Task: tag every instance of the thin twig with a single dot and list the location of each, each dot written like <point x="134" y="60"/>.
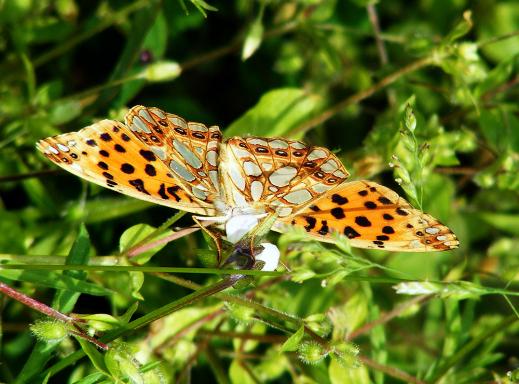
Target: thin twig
<point x="189" y="328"/>
<point x="191" y="361"/>
<point x="381" y="48"/>
<point x="274" y="339"/>
<point x="373" y="19"/>
<point x="174" y="236"/>
<point x="28" y="175"/>
<point x="359" y="96"/>
<point x="232" y="47"/>
<point x="501" y="89"/>
<point x="456" y="170"/>
<point x="497" y="39"/>
<point x="386" y="317"/>
<point x="34" y="304"/>
<point x="391" y="371"/>
<point x="99" y="27"/>
<point x="90" y="339"/>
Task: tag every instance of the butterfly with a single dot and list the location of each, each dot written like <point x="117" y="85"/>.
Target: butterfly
<point x="162" y="158"/>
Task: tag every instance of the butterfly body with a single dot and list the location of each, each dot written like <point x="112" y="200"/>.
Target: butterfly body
<point x="160" y="157"/>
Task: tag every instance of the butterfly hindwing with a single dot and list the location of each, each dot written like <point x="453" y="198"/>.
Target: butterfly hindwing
<point x="372" y="216"/>
<point x="108" y="154"/>
<point x="284" y="175"/>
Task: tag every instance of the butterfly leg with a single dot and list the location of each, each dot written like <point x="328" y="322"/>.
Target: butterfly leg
<point x="215" y="236"/>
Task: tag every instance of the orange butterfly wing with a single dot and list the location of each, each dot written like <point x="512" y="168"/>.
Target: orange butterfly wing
<point x="372" y="216"/>
<point x="109" y="154"/>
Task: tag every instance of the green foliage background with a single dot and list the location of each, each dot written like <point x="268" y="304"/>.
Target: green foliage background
<point x="422" y="92"/>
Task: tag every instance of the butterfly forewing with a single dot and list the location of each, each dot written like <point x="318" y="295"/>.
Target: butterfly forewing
<point x="372" y="216"/>
<point x="189" y="149"/>
<point x="282" y="175"/>
<point x="108" y="154"/>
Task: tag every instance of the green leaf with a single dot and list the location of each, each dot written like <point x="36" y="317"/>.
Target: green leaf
<point x="134" y="236"/>
<point x="277" y="113"/>
<point x="252" y="39"/>
<point x="294" y="341"/>
<point x="101" y="322"/>
<point x="122" y="364"/>
<point x="94" y="378"/>
<point x="239" y="375"/>
<point x="461" y="29"/>
<point x="506" y="222"/>
<point x="65" y="300"/>
<point x="202" y="6"/>
<point x="97" y="212"/>
<point x="342" y="374"/>
<point x="64" y="111"/>
<point x="94" y="355"/>
<point x="126" y="317"/>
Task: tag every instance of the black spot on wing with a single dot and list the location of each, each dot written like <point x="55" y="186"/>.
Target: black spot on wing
<point x="173" y="192"/>
<point x="127" y="168"/>
<point x="350" y="232"/>
<point x="311" y="223"/>
<point x="119" y="148"/>
<point x="150" y="170"/>
<point x="384" y="200"/>
<point x="139" y="185"/>
<point x="324" y="228"/>
<point x="401" y="212"/>
<point x="338" y="199"/>
<point x="338" y="213"/>
<point x="162" y="192"/>
<point x="148" y="155"/>
<point x="363" y="221"/>
<point x="370" y="205"/>
<point x="388" y="230"/>
<point x="102" y="165"/>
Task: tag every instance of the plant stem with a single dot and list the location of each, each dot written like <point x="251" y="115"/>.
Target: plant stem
<point x="386" y="317"/>
<point x="99" y="27"/>
<point x="134" y="268"/>
<point x="391" y="371"/>
<point x="34" y="304"/>
<point x="359" y="96"/>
